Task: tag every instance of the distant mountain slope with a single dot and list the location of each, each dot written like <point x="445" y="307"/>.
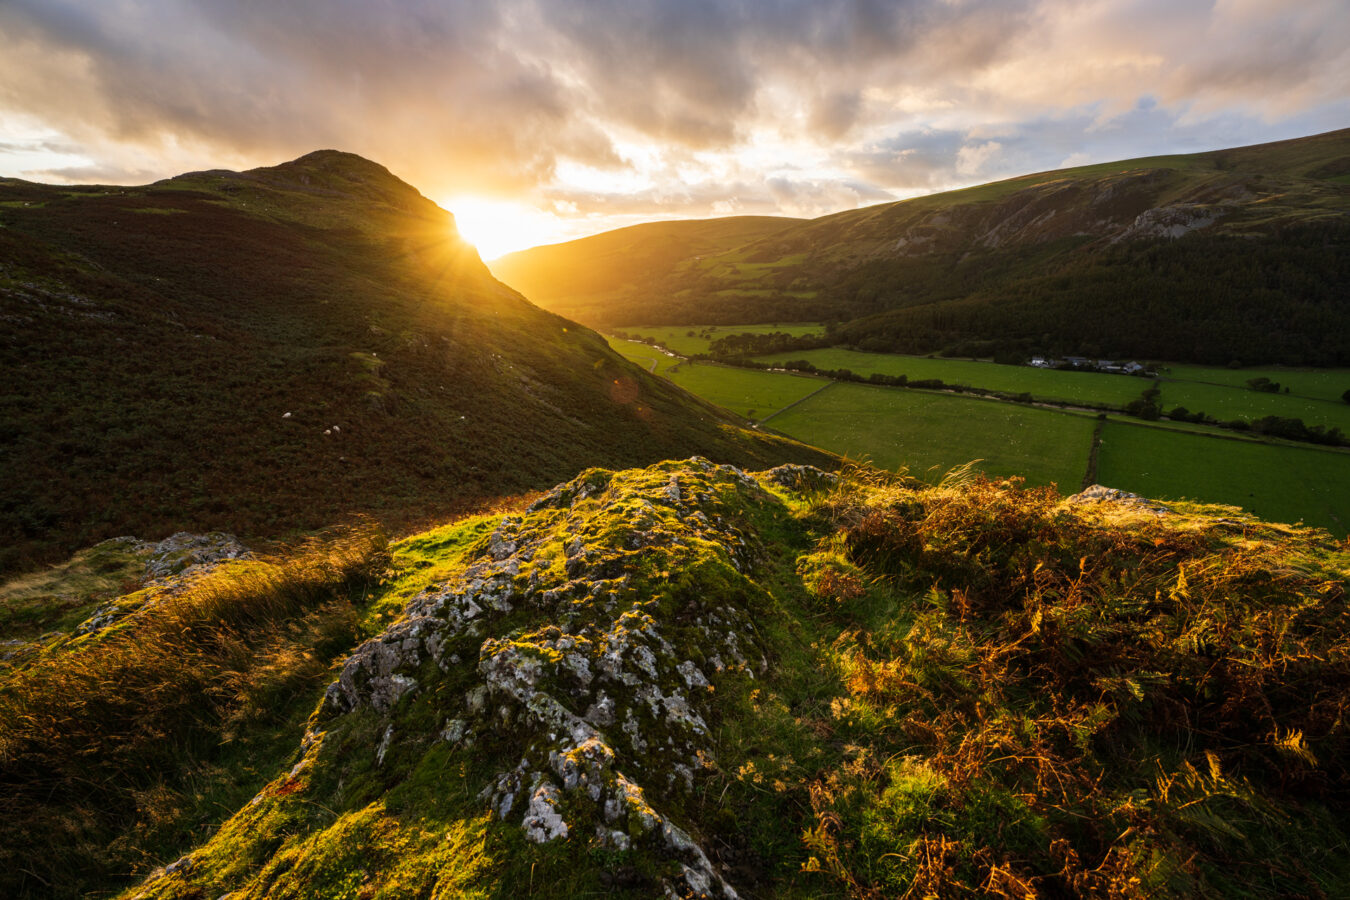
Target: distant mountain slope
<point x="581" y="278"/>
<point x="274" y="349"/>
<point x="1234" y="254"/>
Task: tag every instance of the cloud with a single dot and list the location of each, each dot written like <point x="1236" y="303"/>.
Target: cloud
<point x="742" y="103"/>
<point x="972" y="159"/>
<point x="801" y="196"/>
<point x="427" y="89"/>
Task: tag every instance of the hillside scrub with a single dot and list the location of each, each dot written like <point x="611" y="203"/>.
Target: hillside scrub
<point x="1096" y="700"/>
<point x="690" y="680"/>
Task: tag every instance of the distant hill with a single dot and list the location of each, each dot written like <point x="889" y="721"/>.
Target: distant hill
<point x="585" y="278"/>
<point x="1240" y="254"/>
<point x="272" y="350"/>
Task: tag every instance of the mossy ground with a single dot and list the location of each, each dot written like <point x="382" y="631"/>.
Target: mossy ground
<point x="59" y="597"/>
<point x="968" y="688"/>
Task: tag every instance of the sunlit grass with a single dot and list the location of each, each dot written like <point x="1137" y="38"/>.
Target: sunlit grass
<point x="931" y="433"/>
<point x="136" y="723"/>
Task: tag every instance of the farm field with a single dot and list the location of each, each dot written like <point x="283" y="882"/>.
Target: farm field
<point x="931" y="433"/>
<point x="1276" y="482"/>
<point x="678" y="338"/>
<point x="1316" y="384"/>
<point x="749" y="392"/>
<point x="1046" y="384"/>
<point x="644" y="355"/>
<point x="1225" y="403"/>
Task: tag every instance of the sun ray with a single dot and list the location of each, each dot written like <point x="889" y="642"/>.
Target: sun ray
<point x="497" y="226"/>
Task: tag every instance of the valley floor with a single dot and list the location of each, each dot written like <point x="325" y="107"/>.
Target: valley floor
<point x="1072" y="433"/>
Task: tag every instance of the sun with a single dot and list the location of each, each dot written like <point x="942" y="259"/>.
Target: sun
<point x="498" y="226"/>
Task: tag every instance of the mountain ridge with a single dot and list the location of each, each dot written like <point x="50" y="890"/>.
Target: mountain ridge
<point x="276" y="349"/>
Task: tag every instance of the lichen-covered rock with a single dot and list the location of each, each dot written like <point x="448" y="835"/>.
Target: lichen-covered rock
<point x="802" y="479"/>
<point x="170" y="566"/>
<point x="182" y="551"/>
<point x="591" y="661"/>
<point x="1098" y="493"/>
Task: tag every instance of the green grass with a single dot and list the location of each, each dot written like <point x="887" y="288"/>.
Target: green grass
<point x="1227" y="403"/>
<point x="926" y="431"/>
<point x="644" y="355"/>
<point x="61" y="596"/>
<point x="1092" y="388"/>
<point x="932" y="433"/>
<point x="748" y="392"/>
<point x="1222" y="393"/>
<point x="1316" y="384"/>
<point x="1277" y="482"/>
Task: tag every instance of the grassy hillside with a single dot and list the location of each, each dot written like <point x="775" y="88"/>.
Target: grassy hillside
<point x="580" y="278"/>
<point x="686" y="680"/>
<point x="1239" y="254"/>
<point x="273" y="350"/>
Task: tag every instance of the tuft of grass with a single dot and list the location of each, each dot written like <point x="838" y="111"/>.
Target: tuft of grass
<point x="110" y="742"/>
<point x="57" y="597"/>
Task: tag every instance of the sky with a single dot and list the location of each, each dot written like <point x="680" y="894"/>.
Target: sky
<point x="536" y="121"/>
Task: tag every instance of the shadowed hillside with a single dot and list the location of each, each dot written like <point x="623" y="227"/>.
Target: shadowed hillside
<point x="276" y="349"/>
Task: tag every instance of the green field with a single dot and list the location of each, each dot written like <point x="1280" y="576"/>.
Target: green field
<point x="688" y="340"/>
<point x="1093" y="388"/>
<point x="1317" y="384"/>
<point x="749" y="392"/>
<point x="1277" y="482"/>
<point x="644" y="355"/>
<point x="1226" y="403"/>
<point x="932" y="433"/>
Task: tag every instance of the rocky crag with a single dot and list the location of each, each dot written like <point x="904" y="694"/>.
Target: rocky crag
<point x="582" y="650"/>
<point x="604" y="688"/>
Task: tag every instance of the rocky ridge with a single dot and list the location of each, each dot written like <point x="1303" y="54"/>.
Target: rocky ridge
<point x="568" y="650"/>
<point x="606" y="704"/>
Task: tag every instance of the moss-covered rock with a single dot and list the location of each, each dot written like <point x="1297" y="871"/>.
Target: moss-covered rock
<point x="596" y="628"/>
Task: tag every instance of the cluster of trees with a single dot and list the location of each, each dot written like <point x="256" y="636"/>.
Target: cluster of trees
<point x="1148" y="406"/>
<point x="734" y="346"/>
<point x="1293" y="430"/>
<point x="1264" y="385"/>
<point x="1287" y="427"/>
